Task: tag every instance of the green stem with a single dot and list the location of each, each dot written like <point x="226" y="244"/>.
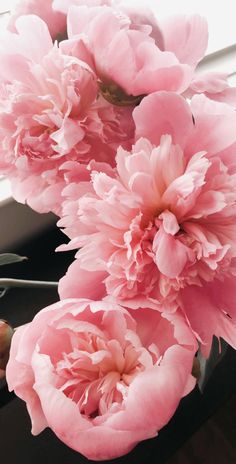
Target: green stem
<point x="10" y="283"/>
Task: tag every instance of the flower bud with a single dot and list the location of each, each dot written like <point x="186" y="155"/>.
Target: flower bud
<point x="6" y="332"/>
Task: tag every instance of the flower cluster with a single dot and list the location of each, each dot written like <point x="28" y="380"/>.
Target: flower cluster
<point x="106" y="122"/>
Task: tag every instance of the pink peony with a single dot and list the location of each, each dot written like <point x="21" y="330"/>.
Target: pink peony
<point x="131" y="54"/>
<point x="149" y="66"/>
<point x="100" y="377"/>
<point x="50" y="114"/>
<point x="55" y="20"/>
<point x="164" y="224"/>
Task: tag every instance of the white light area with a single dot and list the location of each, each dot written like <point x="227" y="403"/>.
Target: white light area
<point x="219" y="14"/>
<point x="6" y="5"/>
<point x="5" y="189"/>
<point x="232" y="79"/>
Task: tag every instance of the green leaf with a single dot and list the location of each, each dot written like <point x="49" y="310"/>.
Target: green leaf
<point x="10" y="258"/>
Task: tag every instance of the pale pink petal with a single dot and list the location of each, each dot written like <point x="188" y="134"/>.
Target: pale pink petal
<point x="34" y="31"/>
<point x="187" y="37"/>
<point x="227" y="95"/>
<point x="55" y="20"/>
<point x="69" y="134"/>
<point x="214" y="126"/>
<point x="170" y="223"/>
<point x="23" y="383"/>
<point x="176" y="118"/>
<point x="131" y="51"/>
<point x="171" y="255"/>
<point x="211" y="82"/>
<point x="144" y="68"/>
<point x="215" y="86"/>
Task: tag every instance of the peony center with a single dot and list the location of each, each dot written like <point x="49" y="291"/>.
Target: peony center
<point x="98" y="372"/>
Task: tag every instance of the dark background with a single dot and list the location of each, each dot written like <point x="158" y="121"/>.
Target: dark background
<point x="203" y="430"/>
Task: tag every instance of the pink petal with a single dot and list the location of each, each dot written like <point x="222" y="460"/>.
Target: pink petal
<point x="78" y="283"/>
<point x="171" y="255"/>
<point x="206" y="309"/>
<point x="69" y="134"/>
<point x="56" y="21"/>
<point x="170" y="223"/>
<point x="187" y="37"/>
<point x="214" y="126"/>
<point x="227" y="95"/>
<point x="163" y="386"/>
<point x="143" y="68"/>
<point x="63" y="416"/>
<point x="34" y="31"/>
<point x="211" y="82"/>
<point x="215" y="86"/>
<point x="163" y="113"/>
<point x="23" y="383"/>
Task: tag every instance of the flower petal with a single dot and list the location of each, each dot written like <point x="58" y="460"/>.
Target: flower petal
<point x="187" y="37"/>
<point x="163" y="113"/>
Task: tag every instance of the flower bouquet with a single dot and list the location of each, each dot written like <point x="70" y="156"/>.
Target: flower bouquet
<point x="106" y="122"/>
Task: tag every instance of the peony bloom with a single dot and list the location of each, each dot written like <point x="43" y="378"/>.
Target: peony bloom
<point x="132" y="54"/>
<point x="55" y="20"/>
<point x="163" y="226"/>
<point x="100" y="377"/>
<point x="139" y="55"/>
<point x="50" y="114"/>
